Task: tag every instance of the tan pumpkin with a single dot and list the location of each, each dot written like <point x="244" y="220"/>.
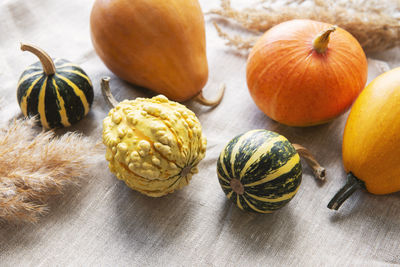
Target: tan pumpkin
<point x="157" y="44"/>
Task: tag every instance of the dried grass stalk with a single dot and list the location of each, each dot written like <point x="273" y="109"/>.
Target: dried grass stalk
<point x="35" y="166"/>
<point x="375" y="23"/>
<point x="241" y="43"/>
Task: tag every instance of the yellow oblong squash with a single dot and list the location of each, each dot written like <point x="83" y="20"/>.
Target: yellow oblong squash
<point x="371" y="140"/>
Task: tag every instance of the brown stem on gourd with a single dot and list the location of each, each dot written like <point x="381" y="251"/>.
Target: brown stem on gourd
<point x="211" y="103"/>
<point x="352" y="185"/>
<point x="106" y="91"/>
<point x="237" y="186"/>
<point x="320" y="43"/>
<point x="45" y="59"/>
<point x="319" y="171"/>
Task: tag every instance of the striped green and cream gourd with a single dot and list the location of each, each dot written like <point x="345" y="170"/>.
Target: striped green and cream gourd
<point x="59" y="92"/>
<point x="259" y="171"/>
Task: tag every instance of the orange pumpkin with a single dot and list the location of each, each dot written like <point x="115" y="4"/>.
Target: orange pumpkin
<point x="156" y="44"/>
<point x="304" y="72"/>
<point x="371" y="140"/>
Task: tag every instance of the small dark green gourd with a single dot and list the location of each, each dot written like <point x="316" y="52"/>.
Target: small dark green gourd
<point x="59" y="92"/>
<point x="260" y="170"/>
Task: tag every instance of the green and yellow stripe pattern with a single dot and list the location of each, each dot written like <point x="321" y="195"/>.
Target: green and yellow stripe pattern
<point x="267" y="167"/>
<point x="58" y="100"/>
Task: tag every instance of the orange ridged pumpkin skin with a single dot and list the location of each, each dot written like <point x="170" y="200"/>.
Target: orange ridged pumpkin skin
<point x="155" y="44"/>
<point x="371" y="139"/>
<point x="297" y="86"/>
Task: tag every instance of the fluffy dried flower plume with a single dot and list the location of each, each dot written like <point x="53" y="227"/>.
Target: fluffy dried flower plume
<point x="35" y="165"/>
<point x="375" y="23"/>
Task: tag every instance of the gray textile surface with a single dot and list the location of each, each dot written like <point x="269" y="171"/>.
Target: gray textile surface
<point x="104" y="223"/>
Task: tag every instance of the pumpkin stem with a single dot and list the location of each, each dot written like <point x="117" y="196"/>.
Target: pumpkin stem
<point x="211" y="103"/>
<point x="352" y="184"/>
<point x="106" y="91"/>
<point x="319" y="171"/>
<point x="45" y="59"/>
<point x="320" y="43"/>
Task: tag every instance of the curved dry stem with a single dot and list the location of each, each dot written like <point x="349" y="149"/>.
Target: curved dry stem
<point x="319" y="171"/>
<point x="321" y="42"/>
<point x="106" y="91"/>
<point x="211" y="103"/>
<point x="45" y="59"/>
<point x="352" y="185"/>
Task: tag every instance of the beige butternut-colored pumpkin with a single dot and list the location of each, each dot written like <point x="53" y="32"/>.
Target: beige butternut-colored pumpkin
<point x="156" y="44"/>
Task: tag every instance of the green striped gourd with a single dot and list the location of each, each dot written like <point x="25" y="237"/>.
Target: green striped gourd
<point x="259" y="171"/>
<point x="59" y="92"/>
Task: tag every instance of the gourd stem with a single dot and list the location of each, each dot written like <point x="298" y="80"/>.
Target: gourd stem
<point x="45" y="59"/>
<point x="352" y="184"/>
<point x="106" y="91"/>
<point x="237" y="186"/>
<point x="319" y="171"/>
<point x="320" y="43"/>
<point x="211" y="103"/>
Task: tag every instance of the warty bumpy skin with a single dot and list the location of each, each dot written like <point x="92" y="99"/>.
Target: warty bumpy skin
<point x="154" y="145"/>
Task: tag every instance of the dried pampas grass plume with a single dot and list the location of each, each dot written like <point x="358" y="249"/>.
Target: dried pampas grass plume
<point x="375" y="23"/>
<point x="35" y="166"/>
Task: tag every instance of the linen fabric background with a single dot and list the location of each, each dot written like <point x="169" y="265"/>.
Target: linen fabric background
<point x="104" y="223"/>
